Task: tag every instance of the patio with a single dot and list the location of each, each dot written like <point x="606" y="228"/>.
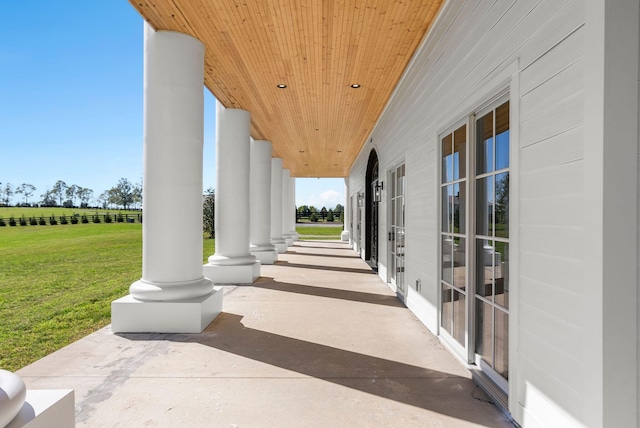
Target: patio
<point x="318" y="340"/>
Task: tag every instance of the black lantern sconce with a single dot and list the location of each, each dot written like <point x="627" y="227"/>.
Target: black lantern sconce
<point x="360" y="199"/>
<point x="377" y="191"/>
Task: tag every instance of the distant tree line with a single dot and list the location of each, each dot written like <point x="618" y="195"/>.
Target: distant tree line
<point x="125" y="195"/>
<point x="312" y="214"/>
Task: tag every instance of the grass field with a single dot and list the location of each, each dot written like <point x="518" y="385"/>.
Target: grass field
<point x="319" y="232"/>
<point x="57" y="284"/>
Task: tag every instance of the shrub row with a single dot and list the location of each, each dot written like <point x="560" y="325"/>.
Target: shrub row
<point x="73" y="219"/>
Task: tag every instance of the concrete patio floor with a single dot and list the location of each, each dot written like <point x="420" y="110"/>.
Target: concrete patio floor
<point x="318" y="341"/>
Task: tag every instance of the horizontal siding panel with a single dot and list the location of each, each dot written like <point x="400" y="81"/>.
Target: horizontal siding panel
<point x="563" y="334"/>
<point x="570" y="50"/>
<point x="554" y="31"/>
<point x="557" y="272"/>
<point x="559" y="87"/>
<point x="564" y="179"/>
<point x="560" y="149"/>
<point x="556" y="302"/>
<point x="562" y="210"/>
<point x="556" y="241"/>
<point x="550" y="400"/>
<point x="561" y="117"/>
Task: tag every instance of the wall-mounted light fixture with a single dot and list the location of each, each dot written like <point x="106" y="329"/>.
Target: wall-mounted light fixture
<point x="377" y="191"/>
<point x="360" y="199"/>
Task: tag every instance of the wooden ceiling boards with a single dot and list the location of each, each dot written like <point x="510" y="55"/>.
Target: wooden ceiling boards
<point x="318" y="49"/>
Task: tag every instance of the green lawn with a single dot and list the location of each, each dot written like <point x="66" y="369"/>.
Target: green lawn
<point x="319" y="232"/>
<point x="57" y="283"/>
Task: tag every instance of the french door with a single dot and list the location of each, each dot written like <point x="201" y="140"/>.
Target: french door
<point x="474" y="308"/>
<point x="396" y="234"/>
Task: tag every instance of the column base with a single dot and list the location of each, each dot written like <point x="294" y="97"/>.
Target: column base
<point x="266" y="257"/>
<point x="46" y="409"/>
<point x="281" y="246"/>
<point x="129" y="315"/>
<point x="289" y="241"/>
<point x="232" y="274"/>
<point x="344" y="236"/>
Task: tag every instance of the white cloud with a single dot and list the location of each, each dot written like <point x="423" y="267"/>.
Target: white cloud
<point x="329" y="199"/>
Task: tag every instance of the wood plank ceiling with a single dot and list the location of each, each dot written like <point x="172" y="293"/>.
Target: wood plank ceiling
<point x="318" y="49"/>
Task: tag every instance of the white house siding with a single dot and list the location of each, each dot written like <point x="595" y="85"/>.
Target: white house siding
<point x="473" y="52"/>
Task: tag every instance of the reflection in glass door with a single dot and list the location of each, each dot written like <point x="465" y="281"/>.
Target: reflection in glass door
<point x="453" y="237"/>
<point x="492" y="244"/>
<point x="396" y="234"/>
<point x="474" y="241"/>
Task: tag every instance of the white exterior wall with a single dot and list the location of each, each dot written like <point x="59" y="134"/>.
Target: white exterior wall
<point x="536" y="50"/>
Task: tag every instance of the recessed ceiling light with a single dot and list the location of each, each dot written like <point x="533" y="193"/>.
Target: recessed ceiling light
<point x="282" y="86"/>
<point x="355" y="85"/>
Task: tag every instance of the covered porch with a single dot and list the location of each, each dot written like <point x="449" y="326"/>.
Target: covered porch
<point x="317" y="340"/>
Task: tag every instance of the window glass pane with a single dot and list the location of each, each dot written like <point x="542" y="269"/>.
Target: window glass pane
<point x="459" y="317"/>
<point x="459" y="263"/>
<point x="502" y="205"/>
<point x="447" y="259"/>
<point x="501" y="364"/>
<point x="447" y="159"/>
<point x="484" y="206"/>
<point x="502" y="136"/>
<point x="484" y="144"/>
<point x="400" y="185"/>
<point x="460" y="153"/>
<point x="400" y="210"/>
<point x="459" y="201"/>
<point x="484" y="327"/>
<point x="393" y="186"/>
<point x="447" y="199"/>
<point x="447" y="309"/>
<point x="502" y="273"/>
<point x="484" y="268"/>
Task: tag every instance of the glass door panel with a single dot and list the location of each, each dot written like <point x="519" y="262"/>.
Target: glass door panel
<point x="397" y="234"/>
<point x="492" y="244"/>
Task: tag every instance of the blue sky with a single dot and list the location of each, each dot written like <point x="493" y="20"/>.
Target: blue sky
<point x="71" y="100"/>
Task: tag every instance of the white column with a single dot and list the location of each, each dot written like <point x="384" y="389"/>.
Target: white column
<point x="232" y="262"/>
<point x="261" y="246"/>
<point x="173" y="295"/>
<point x="286" y="206"/>
<point x="344" y="236"/>
<point x="276" y="206"/>
<point x="609" y="244"/>
<point x="292" y="221"/>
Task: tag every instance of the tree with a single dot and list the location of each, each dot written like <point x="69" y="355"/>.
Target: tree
<point x="103" y="199"/>
<point x="208" y="212"/>
<point x="85" y="196"/>
<point x="122" y="194"/>
<point x="323" y="213"/>
<point x="338" y="209"/>
<point x="48" y="199"/>
<point x="72" y="193"/>
<point x="8" y="193"/>
<point x="330" y="215"/>
<point x="303" y="211"/>
<point x="59" y="191"/>
<point x="137" y="194"/>
<point x="26" y="190"/>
